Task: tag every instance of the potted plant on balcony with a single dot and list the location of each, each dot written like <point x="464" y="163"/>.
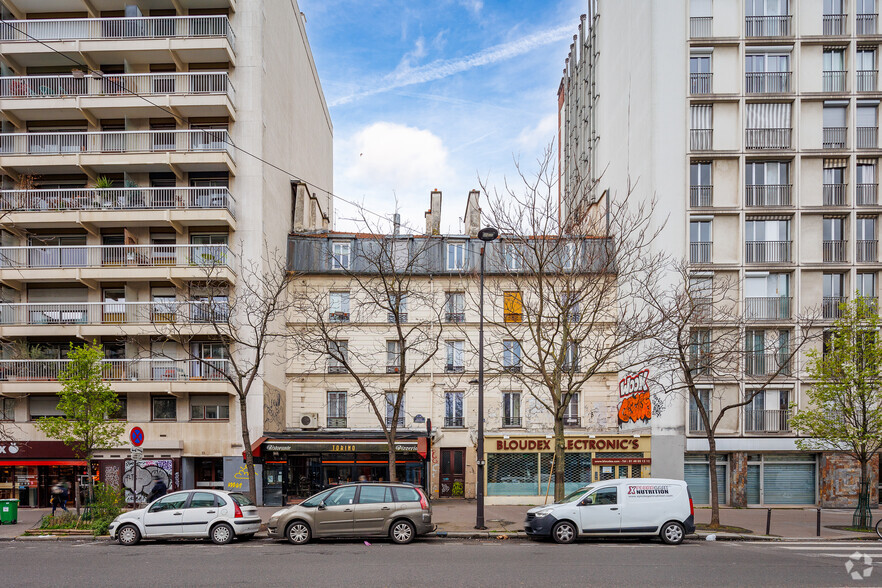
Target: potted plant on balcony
<point x="27" y="370"/>
<point x="102" y="201"/>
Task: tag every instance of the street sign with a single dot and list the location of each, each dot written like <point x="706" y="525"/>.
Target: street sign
<point x="136" y="435"/>
<point x="137" y="453"/>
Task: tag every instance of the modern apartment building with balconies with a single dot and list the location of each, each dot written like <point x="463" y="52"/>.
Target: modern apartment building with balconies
<point x="754" y="123"/>
<point x="137" y="148"/>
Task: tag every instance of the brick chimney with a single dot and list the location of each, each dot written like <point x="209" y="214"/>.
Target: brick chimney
<point x="472" y="218"/>
<point x="433" y="215"/>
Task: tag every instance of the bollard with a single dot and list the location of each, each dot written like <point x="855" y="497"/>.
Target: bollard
<point x="768" y="520"/>
<point x="819" y="522"/>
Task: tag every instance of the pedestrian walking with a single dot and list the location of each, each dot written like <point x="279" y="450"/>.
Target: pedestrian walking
<point x="159" y="489"/>
<point x="59" y="498"/>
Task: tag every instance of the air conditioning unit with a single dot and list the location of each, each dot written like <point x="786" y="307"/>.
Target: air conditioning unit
<point x="309" y="420"/>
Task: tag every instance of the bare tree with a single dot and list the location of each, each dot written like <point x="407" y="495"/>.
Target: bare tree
<point x="571" y="291"/>
<point x="383" y="278"/>
<point x="245" y="321"/>
<point x="716" y="352"/>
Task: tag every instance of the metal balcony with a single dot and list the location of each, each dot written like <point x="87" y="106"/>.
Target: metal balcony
<point x="571" y="421"/>
<point x="834" y="251"/>
<point x="700" y="27"/>
<point x="834" y="137"/>
<point x="866" y="80"/>
<point x="866" y="194"/>
<point x="834" y="81"/>
<point x="867" y="137"/>
<point x="119" y="28"/>
<point x="454" y="422"/>
<point x="454" y="369"/>
<point x="113" y="313"/>
<point x="866" y="250"/>
<point x="767" y="307"/>
<point x="767" y="363"/>
<point x="154" y="84"/>
<point x="111" y="256"/>
<point x="338" y="317"/>
<point x="187" y="141"/>
<point x="830" y="306"/>
<point x="701" y="139"/>
<point x="454" y="317"/>
<point x="700" y="252"/>
<point x="834" y="24"/>
<point x="770" y="82"/>
<point x="767" y="26"/>
<point x="834" y="195"/>
<point x="511" y="421"/>
<point x="701" y="196"/>
<point x="767" y="195"/>
<point x="336" y="422"/>
<point x="701" y="83"/>
<point x="106" y="199"/>
<point x="120" y="370"/>
<point x="865" y="24"/>
<point x="767" y="251"/>
<point x="778" y="138"/>
<point x="766" y="421"/>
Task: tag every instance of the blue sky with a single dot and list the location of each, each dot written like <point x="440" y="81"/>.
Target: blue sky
<point x="430" y="94"/>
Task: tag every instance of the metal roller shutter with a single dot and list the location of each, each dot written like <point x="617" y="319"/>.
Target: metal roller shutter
<point x="788" y="483"/>
<point x="697" y="476"/>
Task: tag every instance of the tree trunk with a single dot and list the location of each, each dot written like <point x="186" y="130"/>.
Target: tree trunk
<point x="249" y="455"/>
<point x="559" y="463"/>
<point x="862" y="517"/>
<point x="392" y="475"/>
<point x="714" y="493"/>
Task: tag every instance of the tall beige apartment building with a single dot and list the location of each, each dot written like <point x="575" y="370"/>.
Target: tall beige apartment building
<point x="755" y="125"/>
<point x="130" y="156"/>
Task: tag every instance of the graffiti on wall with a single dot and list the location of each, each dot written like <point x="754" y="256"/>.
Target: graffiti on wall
<point x="273" y="409"/>
<point x="141" y="479"/>
<point x="635" y="404"/>
<point x="111" y="476"/>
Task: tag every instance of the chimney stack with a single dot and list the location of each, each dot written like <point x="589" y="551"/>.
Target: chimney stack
<point x="396" y="224"/>
<point x="433" y="215"/>
<point x="472" y="216"/>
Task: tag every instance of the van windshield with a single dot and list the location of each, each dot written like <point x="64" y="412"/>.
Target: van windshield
<point x="574" y="496"/>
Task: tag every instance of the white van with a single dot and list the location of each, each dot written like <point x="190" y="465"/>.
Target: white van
<point x="627" y="507"/>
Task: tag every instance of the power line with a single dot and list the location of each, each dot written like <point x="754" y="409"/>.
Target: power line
<point x="99" y="74"/>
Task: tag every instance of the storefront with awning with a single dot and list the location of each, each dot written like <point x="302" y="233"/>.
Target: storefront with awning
<point x="28" y="469"/>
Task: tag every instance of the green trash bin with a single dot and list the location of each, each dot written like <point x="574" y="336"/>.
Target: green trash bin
<point x="9" y="511"/>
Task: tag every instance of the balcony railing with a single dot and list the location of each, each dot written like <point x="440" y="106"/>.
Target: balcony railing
<point x="334" y="368"/>
<point x="454" y="369"/>
<point x="335" y="422"/>
<point x="105" y="199"/>
<point x="866" y="250"/>
<point x="120" y="370"/>
<point x="65" y="256"/>
<point x="834" y="251"/>
<point x="767" y="363"/>
<point x="701" y="139"/>
<point x="154" y="84"/>
<point x="511" y="421"/>
<point x="701" y="196"/>
<point x="767" y="195"/>
<point x="113" y="313"/>
<point x="778" y="138"/>
<point x="149" y="27"/>
<point x="701" y="83"/>
<point x="867" y="137"/>
<point x="767" y="26"/>
<point x="866" y="24"/>
<point x="830" y="306"/>
<point x="700" y="27"/>
<point x="834" y="137"/>
<point x="389" y="421"/>
<point x="767" y="421"/>
<point x="767" y="307"/>
<point x="834" y="81"/>
<point x="338" y="317"/>
<point x="866" y="194"/>
<point x="700" y="252"/>
<point x="767" y="251"/>
<point x="834" y="195"/>
<point x="866" y="80"/>
<point x="454" y="422"/>
<point x="696" y="425"/>
<point x="834" y="24"/>
<point x="115" y="142"/>
<point x="454" y="317"/>
<point x="769" y="82"/>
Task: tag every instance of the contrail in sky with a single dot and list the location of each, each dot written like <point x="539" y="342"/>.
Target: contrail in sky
<point x="443" y="68"/>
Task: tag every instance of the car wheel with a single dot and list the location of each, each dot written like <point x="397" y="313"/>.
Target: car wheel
<point x="298" y="533"/>
<point x="221" y="534"/>
<point x="128" y="535"/>
<point x="564" y="532"/>
<point x="673" y="533"/>
<point x="402" y="532"/>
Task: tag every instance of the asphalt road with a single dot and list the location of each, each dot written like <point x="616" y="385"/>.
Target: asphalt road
<point x="433" y="563"/>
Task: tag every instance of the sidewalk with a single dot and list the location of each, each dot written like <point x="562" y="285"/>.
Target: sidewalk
<point x="28" y="518"/>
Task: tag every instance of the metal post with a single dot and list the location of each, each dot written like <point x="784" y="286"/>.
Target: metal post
<point x="479" y="493"/>
<point x="819" y="522"/>
<point x="768" y="520"/>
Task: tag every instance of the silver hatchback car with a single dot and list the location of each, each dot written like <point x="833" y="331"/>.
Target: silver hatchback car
<point x="394" y="510"/>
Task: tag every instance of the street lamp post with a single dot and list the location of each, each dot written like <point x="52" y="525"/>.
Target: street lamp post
<point x="486" y="235"/>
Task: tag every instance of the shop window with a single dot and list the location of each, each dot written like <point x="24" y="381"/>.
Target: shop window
<point x="512" y="474"/>
<point x="7" y="409"/>
<point x="209" y="408"/>
<point x="512" y="307"/>
<point x="164" y="408"/>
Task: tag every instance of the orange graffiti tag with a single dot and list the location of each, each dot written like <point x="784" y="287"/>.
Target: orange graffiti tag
<point x="635" y="408"/>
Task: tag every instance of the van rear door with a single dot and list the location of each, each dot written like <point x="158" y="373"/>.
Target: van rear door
<point x="600" y="512"/>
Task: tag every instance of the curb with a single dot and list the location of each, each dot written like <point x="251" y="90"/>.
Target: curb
<point x="477" y="535"/>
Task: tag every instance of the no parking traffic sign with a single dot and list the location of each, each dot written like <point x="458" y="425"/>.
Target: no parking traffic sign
<point x="136" y="435"/>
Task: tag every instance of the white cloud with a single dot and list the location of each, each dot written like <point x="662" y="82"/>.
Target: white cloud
<point x="473" y="6"/>
<point x="443" y="68"/>
<point x="538" y="136"/>
<point x="411" y="57"/>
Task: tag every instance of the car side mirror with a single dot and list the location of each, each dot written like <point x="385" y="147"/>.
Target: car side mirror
<point x="321" y="505"/>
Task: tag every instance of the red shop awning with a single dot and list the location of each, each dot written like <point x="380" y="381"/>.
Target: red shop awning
<point x="42" y="462"/>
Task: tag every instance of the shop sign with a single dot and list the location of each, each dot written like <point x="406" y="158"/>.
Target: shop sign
<point x="34" y="450"/>
<point x="603" y="461"/>
<point x="571" y="444"/>
<point x="341" y="447"/>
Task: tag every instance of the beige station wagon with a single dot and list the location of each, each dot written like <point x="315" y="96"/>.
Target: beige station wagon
<point x="398" y="511"/>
